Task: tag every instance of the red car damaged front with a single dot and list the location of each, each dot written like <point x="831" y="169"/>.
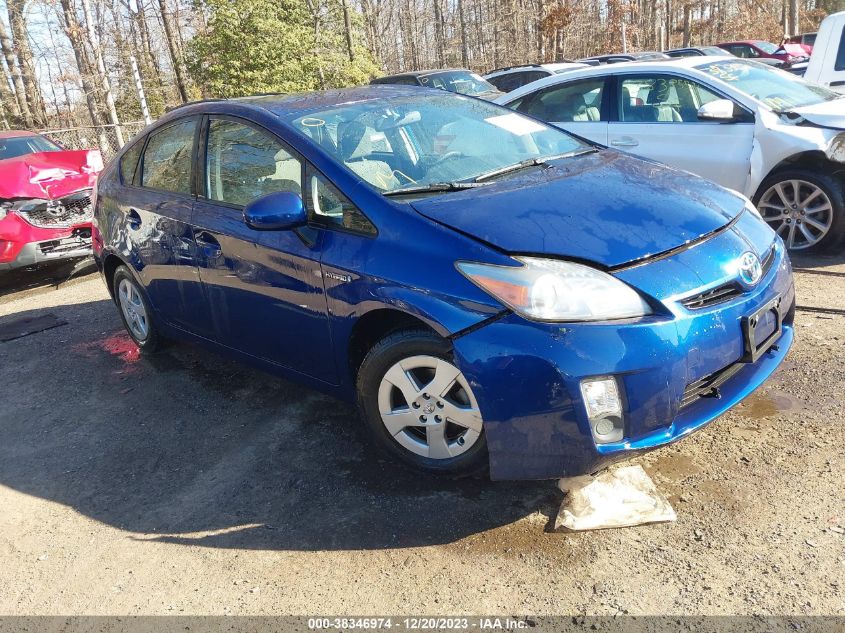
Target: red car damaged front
<point x="45" y="200"/>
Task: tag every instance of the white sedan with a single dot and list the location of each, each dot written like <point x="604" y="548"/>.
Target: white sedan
<point x="760" y="131"/>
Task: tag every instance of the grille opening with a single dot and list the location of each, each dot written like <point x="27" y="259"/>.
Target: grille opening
<point x="708" y="386"/>
<point x="64" y="212"/>
<point x="711" y="297"/>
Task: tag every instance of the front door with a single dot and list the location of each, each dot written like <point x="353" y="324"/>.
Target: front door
<point x="264" y="288"/>
<point x="657" y="117"/>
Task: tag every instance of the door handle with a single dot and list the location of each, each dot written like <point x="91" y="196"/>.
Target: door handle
<point x="837" y="83"/>
<point x="133" y="219"/>
<point x="208" y="244"/>
<point x="625" y="141"/>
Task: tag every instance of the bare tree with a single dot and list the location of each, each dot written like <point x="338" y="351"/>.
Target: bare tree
<point x="17" y="23"/>
<point x="75" y="34"/>
<point x="14" y="70"/>
<point x="175" y="52"/>
<point x="97" y="49"/>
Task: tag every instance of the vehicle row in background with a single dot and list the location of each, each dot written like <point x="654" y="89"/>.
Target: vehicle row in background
<point x="767" y="134"/>
<point x="45" y="200"/>
<point x="513" y="77"/>
<point x="458" y="80"/>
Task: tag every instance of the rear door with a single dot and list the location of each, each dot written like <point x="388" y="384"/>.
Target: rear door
<point x="157" y="202"/>
<point x="264" y="288"/>
<point x="656" y="116"/>
<point x="579" y="106"/>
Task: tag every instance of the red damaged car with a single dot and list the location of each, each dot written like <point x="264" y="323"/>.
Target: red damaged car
<point x="45" y="200"/>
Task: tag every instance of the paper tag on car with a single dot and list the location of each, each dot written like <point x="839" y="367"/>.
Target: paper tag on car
<point x="516" y="124"/>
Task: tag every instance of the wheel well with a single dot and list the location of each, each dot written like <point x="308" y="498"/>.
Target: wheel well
<point x="374" y="326"/>
<point x="109" y="266"/>
<point x="815" y="159"/>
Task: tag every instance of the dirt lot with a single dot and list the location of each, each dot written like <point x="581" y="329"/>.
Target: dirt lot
<point x="188" y="484"/>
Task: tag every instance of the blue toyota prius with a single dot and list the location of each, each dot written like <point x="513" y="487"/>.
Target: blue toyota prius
<point x="491" y="290"/>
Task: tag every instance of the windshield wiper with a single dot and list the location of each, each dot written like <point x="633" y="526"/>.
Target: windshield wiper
<point x="434" y="186"/>
<point x="531" y="162"/>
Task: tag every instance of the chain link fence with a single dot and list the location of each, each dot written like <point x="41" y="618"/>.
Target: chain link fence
<point x="103" y="137"/>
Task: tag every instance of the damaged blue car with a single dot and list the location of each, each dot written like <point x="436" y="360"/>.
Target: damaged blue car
<point x="493" y="292"/>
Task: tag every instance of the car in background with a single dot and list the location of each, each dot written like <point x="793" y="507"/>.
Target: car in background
<point x="459" y="80"/>
<point x="827" y="63"/>
<point x="806" y="40"/>
<point x="509" y="299"/>
<point x="513" y="77"/>
<point x="616" y="58"/>
<point x="695" y="51"/>
<point x="760" y="131"/>
<point x="761" y="49"/>
<point x="45" y="200"/>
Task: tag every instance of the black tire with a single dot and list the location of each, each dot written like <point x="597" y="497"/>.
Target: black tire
<point x="832" y="188"/>
<point x="386" y="353"/>
<point x="153" y="341"/>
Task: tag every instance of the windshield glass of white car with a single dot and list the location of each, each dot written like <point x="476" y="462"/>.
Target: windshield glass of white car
<point x="777" y="89"/>
<point x="431" y="138"/>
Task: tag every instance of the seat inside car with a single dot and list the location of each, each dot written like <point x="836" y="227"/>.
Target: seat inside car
<point x="355" y="146"/>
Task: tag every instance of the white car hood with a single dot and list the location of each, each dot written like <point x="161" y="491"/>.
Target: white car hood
<point x="827" y="114"/>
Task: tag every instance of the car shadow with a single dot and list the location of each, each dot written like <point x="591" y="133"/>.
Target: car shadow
<point x="813" y="260"/>
<point x="188" y="447"/>
<point x="43" y="275"/>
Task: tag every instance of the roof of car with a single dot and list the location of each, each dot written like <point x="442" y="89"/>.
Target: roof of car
<point x="752" y="42"/>
<point x="420" y="73"/>
<point x="549" y="66"/>
<point x="16" y="133"/>
<point x="298" y="104"/>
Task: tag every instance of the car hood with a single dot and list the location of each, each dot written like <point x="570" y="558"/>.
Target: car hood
<point x="605" y="207"/>
<point x="49" y="175"/>
<point x="826" y="114"/>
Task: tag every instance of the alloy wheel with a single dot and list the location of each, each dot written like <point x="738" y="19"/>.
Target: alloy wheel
<point x="427" y="406"/>
<point x="133" y="309"/>
<point x="799" y="211"/>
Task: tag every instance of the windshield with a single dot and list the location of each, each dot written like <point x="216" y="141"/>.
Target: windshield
<point x="714" y="50"/>
<point x="767" y="47"/>
<point x="420" y="140"/>
<point x="779" y="90"/>
<point x="460" y="81"/>
<point x="21" y="145"/>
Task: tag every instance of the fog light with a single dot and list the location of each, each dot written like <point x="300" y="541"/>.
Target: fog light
<point x="604" y="408"/>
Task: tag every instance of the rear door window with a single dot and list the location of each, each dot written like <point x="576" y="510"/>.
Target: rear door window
<point x="129" y="162"/>
<point x="168" y="158"/>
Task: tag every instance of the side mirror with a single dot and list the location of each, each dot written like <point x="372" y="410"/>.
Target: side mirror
<point x="717" y="110"/>
<point x="279" y="211"/>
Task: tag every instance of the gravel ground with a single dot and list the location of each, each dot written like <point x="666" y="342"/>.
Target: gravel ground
<point x="188" y="484"/>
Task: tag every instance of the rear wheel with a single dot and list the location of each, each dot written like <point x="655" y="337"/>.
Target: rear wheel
<point x="420" y="407"/>
<point x="807" y="209"/>
<point x="135" y="310"/>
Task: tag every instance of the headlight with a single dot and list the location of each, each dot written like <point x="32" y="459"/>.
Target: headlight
<point x="553" y="290"/>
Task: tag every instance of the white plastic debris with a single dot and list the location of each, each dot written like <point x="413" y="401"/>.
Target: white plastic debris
<point x="623" y="497"/>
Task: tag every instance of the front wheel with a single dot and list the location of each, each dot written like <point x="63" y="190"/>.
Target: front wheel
<point x="807" y="209"/>
<point x="419" y="406"/>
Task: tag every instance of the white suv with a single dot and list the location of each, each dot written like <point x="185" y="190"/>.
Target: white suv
<point x="513" y="77"/>
<point x="760" y="131"/>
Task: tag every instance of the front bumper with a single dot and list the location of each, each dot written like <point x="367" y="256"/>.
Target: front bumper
<point x="22" y="244"/>
<point x="526" y="376"/>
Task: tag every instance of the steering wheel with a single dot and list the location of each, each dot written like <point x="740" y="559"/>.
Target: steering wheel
<point x="448" y="156"/>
